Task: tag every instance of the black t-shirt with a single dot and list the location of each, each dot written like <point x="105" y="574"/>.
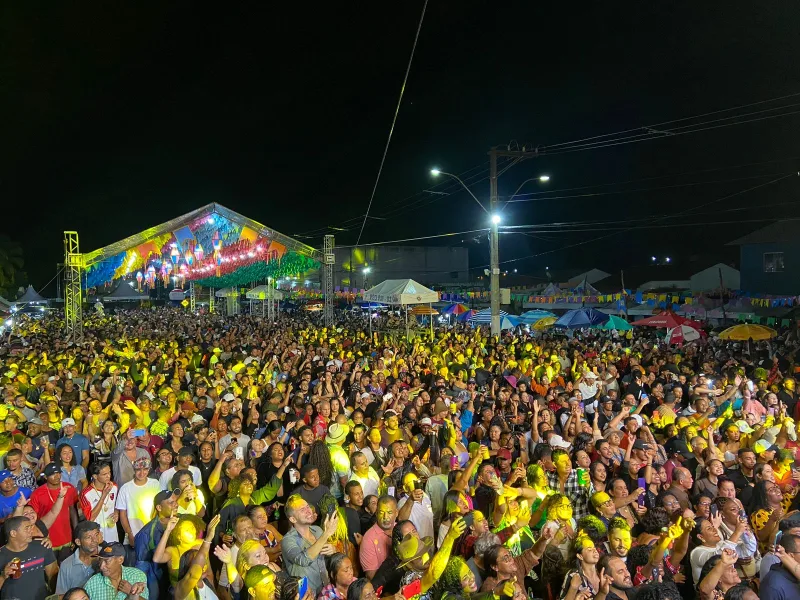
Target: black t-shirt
<point x="31" y="583"/>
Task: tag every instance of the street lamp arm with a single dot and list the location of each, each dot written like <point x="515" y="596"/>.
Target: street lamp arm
<point x="464" y="185"/>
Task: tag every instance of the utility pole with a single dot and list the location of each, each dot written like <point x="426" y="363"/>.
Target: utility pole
<point x="494" y="250"/>
<point x="722" y="295"/>
<point x="494" y="245"/>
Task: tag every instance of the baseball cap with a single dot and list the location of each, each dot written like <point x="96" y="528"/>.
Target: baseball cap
<point x="679" y="447"/>
<point x="142" y="463"/>
<point x="67" y="421"/>
<point x="186" y="451"/>
<point x="504" y="454"/>
<point x="229" y="397"/>
<point x="389" y="413"/>
<point x="365" y="395"/>
<point x="51" y="469"/>
<point x="744" y="427"/>
<point x="35" y="421"/>
<point x="111" y="550"/>
<point x="640" y="445"/>
<point x="164" y="495"/>
<point x="762" y="446"/>
<point x="5" y="474"/>
<point x="556" y="441"/>
<point x="425" y="421"/>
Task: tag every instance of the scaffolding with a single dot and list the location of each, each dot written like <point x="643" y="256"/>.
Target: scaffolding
<point x="211" y="300"/>
<point x="73" y="302"/>
<point x="192" y="299"/>
<point x="328" y="260"/>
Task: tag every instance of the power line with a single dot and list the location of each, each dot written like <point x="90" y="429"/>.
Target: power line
<point x="394" y="119"/>
<point x="661" y="136"/>
<point x="708" y="114"/>
<point x="636" y="190"/>
<point x="415" y="239"/>
<point x="613" y="233"/>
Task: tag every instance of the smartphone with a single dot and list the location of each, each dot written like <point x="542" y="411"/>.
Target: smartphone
<point x="390" y="490"/>
<point x="238" y="452"/>
<point x="412" y="589"/>
<point x="714" y="510"/>
<point x="453" y="462"/>
<point x="642" y="483"/>
<point x="469" y="519"/>
<point x="418" y="485"/>
<point x="331" y="509"/>
<point x="139" y="432"/>
<point x="302" y="587"/>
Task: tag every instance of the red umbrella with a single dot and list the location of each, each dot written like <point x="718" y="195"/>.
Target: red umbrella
<point x="683" y="333"/>
<point x="665" y="319"/>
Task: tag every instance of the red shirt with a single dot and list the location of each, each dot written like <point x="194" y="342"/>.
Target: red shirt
<point x="156" y="443"/>
<point x="42" y="500"/>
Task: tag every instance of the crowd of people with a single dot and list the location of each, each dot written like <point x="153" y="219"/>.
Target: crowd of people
<point x="186" y="456"/>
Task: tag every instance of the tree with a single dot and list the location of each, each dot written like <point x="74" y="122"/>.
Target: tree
<point x="11" y="262"/>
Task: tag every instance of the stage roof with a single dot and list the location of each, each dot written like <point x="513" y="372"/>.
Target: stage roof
<point x="213" y="245"/>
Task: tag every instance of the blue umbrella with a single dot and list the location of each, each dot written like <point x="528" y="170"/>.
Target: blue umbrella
<point x="580" y="318"/>
<point x="530" y="317"/>
<point x="485" y="316"/>
<point x="509" y="322"/>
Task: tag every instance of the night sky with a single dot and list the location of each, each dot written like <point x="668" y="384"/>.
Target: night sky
<point x="118" y="116"/>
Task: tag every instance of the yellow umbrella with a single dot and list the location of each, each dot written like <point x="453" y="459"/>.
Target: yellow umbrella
<point x="423" y="310"/>
<point x="544" y="323"/>
<point x="746" y="331"/>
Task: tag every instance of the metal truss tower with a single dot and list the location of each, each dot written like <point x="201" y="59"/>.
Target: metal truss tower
<point x="211" y="300"/>
<point x="192" y="298"/>
<point x="328" y="261"/>
<point x="73" y="272"/>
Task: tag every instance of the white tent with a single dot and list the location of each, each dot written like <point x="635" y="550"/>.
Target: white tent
<point x="264" y="292"/>
<point x="229" y="292"/>
<point x="403" y="292"/>
<point x="30" y="296"/>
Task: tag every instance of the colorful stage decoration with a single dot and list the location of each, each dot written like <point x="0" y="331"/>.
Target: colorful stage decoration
<point x="212" y="245"/>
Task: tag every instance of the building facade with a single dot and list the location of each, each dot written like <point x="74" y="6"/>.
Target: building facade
<point x="770" y="260"/>
<point x="363" y="267"/>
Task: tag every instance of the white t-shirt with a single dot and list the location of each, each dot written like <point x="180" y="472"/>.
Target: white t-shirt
<point x="138" y="501"/>
<point x="421" y="515"/>
<point x="369" y="483"/>
<point x="165" y="481"/>
<point x="89" y="498"/>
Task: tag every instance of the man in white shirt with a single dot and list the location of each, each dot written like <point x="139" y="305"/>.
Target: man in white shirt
<point x="364" y="474"/>
<point x="185" y="458"/>
<point x="98" y="501"/>
<point x="420" y="512"/>
<point x="135" y="500"/>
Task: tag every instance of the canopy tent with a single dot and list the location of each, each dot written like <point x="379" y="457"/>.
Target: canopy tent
<point x="530" y="317"/>
<point x="264" y="292"/>
<point x="615" y="322"/>
<point x="484" y="317"/>
<point x="125" y="293"/>
<point x="30" y="295"/>
<point x="227" y="293"/>
<point x="551" y="290"/>
<point x="402" y="292"/>
<point x="212" y="245"/>
<point x="581" y="317"/>
<point x="584" y="288"/>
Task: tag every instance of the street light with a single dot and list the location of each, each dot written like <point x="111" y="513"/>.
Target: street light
<point x="436" y="172"/>
<point x="496" y="219"/>
<point x="544" y="178"/>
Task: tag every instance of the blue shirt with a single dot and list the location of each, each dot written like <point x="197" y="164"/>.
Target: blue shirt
<point x="9" y="503"/>
<point x="145" y="544"/>
<point x="294" y="549"/>
<point x="779" y="584"/>
<point x="74" y="478"/>
<point x="78" y="443"/>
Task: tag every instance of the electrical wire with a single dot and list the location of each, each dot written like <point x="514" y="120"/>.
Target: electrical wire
<point x="394" y="120"/>
<point x="662" y="136"/>
<point x="664" y="226"/>
<point x="708" y="114"/>
<point x="613" y="233"/>
<point x="636" y="190"/>
<point x="415" y="239"/>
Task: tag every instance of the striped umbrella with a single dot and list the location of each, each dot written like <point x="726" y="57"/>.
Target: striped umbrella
<point x="485" y="316"/>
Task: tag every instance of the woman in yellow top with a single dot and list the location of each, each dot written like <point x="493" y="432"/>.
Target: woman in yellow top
<point x="766" y="512"/>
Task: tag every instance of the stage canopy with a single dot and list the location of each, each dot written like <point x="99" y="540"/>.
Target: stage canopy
<point x="402" y="292"/>
<point x="212" y="246"/>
